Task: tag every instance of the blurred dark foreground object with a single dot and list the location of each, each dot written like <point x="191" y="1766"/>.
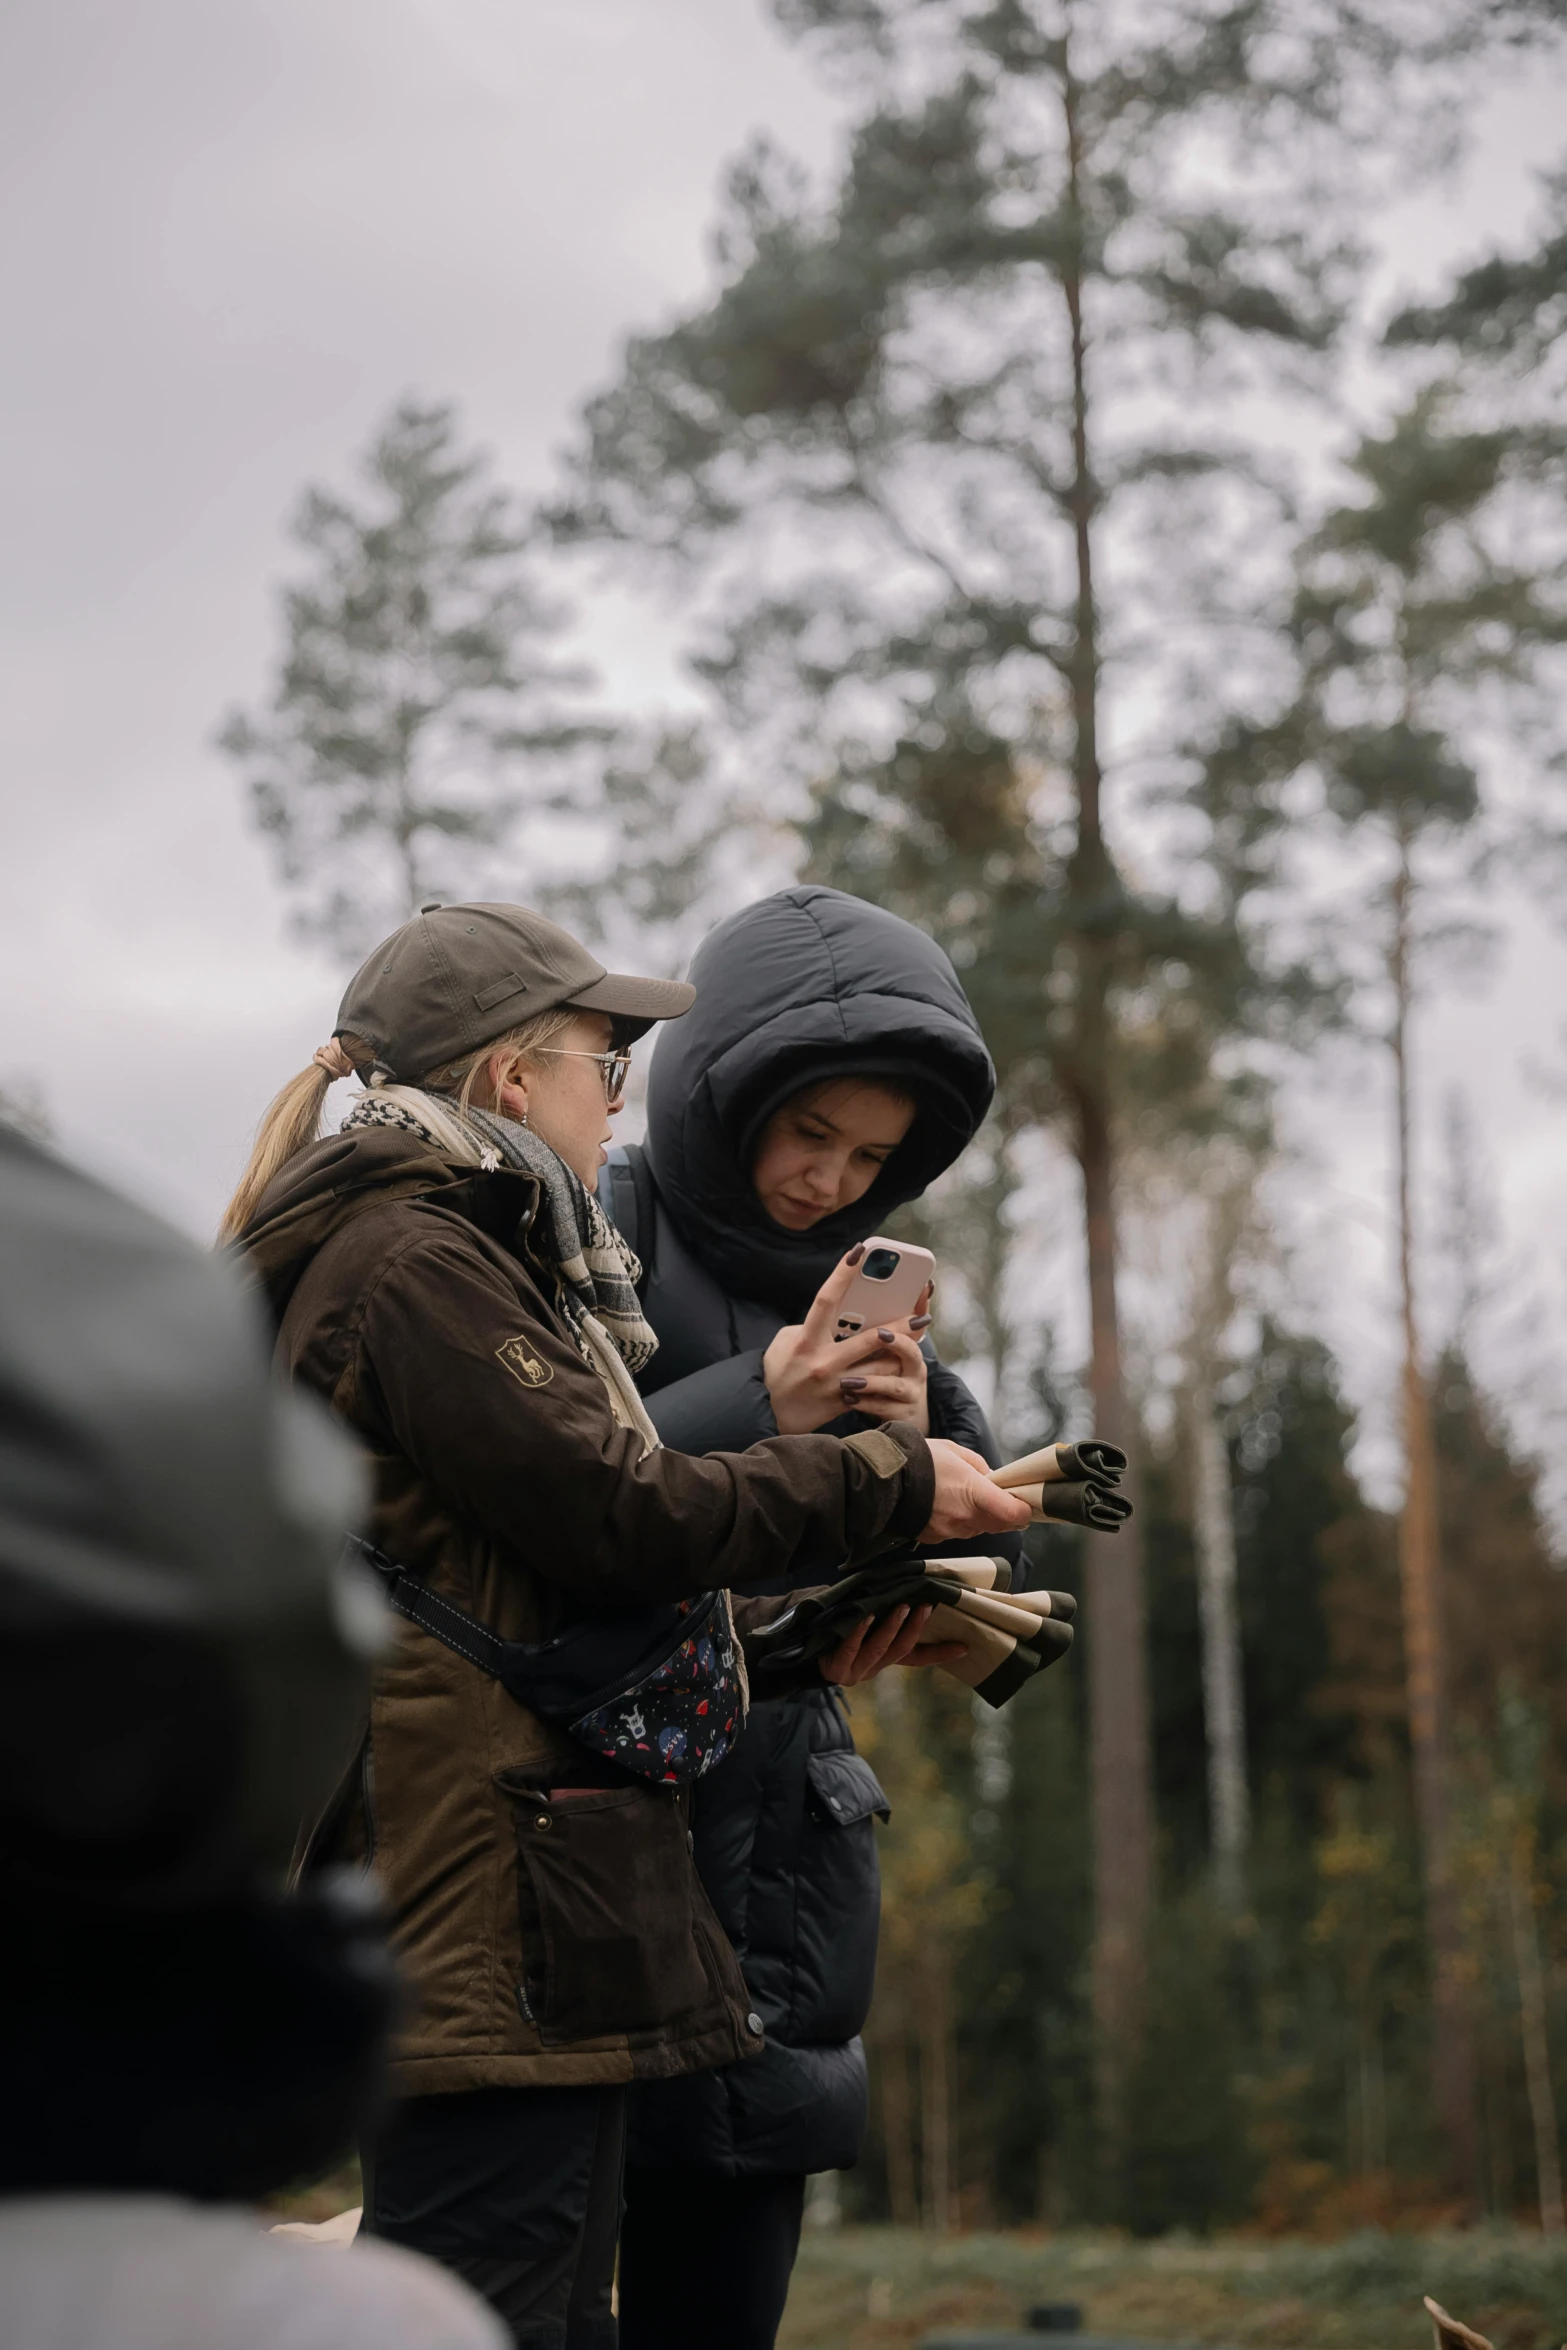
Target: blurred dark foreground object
<point x="182" y="1677"/>
<point x="182" y="1673"/>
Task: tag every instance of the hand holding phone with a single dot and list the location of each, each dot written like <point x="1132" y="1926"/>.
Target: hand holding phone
<point x="815" y="1370"/>
<point x="892" y="1281"/>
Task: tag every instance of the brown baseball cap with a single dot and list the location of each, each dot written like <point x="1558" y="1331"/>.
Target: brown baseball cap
<point x="456" y="976"/>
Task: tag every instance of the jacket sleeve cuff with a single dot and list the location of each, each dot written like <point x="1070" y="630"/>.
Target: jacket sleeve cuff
<point x="904" y="1478"/>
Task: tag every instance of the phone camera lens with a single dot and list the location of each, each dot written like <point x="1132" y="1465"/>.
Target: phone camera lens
<point x="881" y="1264"/>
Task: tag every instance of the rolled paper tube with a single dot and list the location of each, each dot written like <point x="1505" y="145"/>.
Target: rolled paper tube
<point x="978" y="1574"/>
<point x="1090" y="1457"/>
<point x="1037" y="1603"/>
<point x="1050" y="1640"/>
<point x="1033" y="1469"/>
<point x="1085" y="1505"/>
<point x="1094" y="1458"/>
<point x="984" y="1647"/>
<point x="1076" y="1505"/>
<point x="999" y="1687"/>
<point x="982" y="1607"/>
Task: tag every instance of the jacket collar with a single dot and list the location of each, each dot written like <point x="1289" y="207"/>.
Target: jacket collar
<point x="339" y="1179"/>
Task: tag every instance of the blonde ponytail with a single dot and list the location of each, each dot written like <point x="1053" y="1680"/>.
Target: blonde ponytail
<point x="292" y="1119"/>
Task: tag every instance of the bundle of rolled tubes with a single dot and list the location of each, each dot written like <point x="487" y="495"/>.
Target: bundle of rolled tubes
<point x="1006" y="1636"/>
<point x="1071" y="1484"/>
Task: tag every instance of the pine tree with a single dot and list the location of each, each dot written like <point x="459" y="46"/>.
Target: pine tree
<point x="1303" y="1533"/>
<point x="1423" y="606"/>
<point x="950" y="447"/>
<point x="1507" y="313"/>
<point x="1508" y="1625"/>
<point x="420" y="707"/>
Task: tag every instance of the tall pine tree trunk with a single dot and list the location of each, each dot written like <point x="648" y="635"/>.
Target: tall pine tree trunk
<point x="1118" y="1681"/>
<point x="1420" y="1569"/>
<point x="1213" y="1529"/>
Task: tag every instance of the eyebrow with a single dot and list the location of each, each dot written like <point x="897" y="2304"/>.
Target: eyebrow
<point x="833" y="1127"/>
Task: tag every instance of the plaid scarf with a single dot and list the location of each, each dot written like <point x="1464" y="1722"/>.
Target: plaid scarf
<point x="598" y="1272"/>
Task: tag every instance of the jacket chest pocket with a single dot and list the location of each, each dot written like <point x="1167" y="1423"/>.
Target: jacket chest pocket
<point x="837" y="1898"/>
<point x="842" y="1789"/>
<point x="604" y="1890"/>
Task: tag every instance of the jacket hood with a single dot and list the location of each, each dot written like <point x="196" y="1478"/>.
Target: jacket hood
<point x="806" y="984"/>
<point x="327" y="1185"/>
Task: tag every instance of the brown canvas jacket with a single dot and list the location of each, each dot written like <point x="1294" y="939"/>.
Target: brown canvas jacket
<point x="551" y="1938"/>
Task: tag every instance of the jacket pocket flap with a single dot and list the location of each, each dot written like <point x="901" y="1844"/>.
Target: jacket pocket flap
<point x="844" y="1789"/>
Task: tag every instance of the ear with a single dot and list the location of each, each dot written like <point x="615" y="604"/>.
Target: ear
<point x="510" y="1080"/>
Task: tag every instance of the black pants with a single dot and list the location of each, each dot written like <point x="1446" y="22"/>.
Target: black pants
<point x="705" y="2260"/>
<point x="518" y="2191"/>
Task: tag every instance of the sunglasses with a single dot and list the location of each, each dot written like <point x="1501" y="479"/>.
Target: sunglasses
<point x="614" y="1068"/>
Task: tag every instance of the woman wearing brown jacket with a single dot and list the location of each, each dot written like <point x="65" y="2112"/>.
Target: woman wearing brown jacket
<point x="440" y="1271"/>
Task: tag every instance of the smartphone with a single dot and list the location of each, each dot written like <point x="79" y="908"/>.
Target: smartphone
<point x="886" y="1286"/>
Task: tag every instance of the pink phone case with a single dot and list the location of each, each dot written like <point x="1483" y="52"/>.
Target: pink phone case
<point x="876" y="1296"/>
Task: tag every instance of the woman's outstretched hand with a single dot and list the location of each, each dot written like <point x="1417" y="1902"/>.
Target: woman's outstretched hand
<point x="813" y="1376"/>
<point x="876" y="1643"/>
<point x="967" y="1504"/>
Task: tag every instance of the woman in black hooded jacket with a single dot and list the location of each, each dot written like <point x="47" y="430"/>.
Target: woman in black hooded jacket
<point x="809" y="996"/>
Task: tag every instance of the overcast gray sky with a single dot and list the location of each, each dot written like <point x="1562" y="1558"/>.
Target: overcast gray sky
<point x="231" y="236"/>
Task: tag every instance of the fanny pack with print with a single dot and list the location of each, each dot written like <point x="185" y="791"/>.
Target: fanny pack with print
<point x="659" y="1690"/>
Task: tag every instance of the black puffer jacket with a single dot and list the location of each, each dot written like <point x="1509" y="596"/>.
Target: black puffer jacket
<point x="806" y="984"/>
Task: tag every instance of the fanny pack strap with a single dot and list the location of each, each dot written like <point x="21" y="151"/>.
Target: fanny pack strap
<point x="649" y="1707"/>
<point x="407" y="1596"/>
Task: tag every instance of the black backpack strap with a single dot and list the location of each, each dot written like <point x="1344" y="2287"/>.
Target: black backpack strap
<point x="407" y="1596"/>
<point x="628" y="1197"/>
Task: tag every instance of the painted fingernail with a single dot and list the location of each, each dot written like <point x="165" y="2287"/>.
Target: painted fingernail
<point x="921" y="1321"/>
<point x="855" y="1253"/>
<point x="852" y="1386"/>
<point x="885" y="1336"/>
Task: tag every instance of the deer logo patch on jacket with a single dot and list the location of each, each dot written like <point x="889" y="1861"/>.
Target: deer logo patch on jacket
<point x="524" y="1364"/>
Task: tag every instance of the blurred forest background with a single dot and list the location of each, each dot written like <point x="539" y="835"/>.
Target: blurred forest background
<point x="1078" y="556"/>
